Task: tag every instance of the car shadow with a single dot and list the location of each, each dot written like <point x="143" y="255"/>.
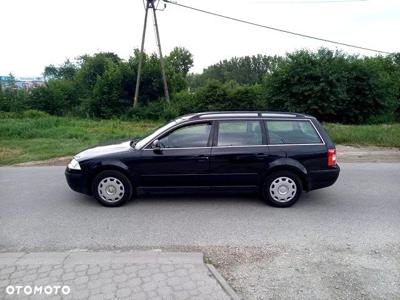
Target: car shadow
<point x="312" y="199"/>
<point x="198" y="197"/>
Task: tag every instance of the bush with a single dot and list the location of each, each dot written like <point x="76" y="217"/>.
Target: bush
<point x="217" y="96"/>
<point x="9" y="115"/>
<point x="155" y="110"/>
<point x="13" y="100"/>
<point x="34" y="114"/>
<point x="331" y="86"/>
<point x="183" y="103"/>
<point x="106" y="100"/>
<point x="48" y="100"/>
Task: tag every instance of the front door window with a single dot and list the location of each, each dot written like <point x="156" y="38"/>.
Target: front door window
<point x="191" y="136"/>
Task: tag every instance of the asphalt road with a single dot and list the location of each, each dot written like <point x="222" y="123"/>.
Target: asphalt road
<point x="39" y="211"/>
<point x="342" y="242"/>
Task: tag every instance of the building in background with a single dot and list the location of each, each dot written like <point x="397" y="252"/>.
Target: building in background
<point x="21" y="82"/>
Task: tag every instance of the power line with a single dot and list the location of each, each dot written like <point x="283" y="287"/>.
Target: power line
<point x="277" y="29"/>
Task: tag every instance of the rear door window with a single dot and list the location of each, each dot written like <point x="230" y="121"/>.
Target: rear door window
<point x="239" y="133"/>
<point x="292" y="132"/>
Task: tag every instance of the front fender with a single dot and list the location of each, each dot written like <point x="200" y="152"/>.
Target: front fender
<point x="114" y="164"/>
<point x="96" y="167"/>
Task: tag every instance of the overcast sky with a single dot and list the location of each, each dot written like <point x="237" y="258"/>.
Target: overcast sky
<point x="42" y="32"/>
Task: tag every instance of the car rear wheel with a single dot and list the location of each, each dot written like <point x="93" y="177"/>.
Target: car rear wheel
<point x="282" y="189"/>
<point x="112" y="188"/>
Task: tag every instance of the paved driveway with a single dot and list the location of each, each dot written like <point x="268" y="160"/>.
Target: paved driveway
<point x="349" y="232"/>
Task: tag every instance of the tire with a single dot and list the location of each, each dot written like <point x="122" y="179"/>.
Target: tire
<point x="281" y="189"/>
<point x="112" y="188"/>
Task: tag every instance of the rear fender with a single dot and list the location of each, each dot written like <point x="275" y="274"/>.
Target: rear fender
<point x="289" y="165"/>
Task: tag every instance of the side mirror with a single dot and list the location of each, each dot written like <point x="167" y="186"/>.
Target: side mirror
<point x="156" y="146"/>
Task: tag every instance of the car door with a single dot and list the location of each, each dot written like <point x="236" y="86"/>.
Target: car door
<point x="239" y="153"/>
<point x="181" y="161"/>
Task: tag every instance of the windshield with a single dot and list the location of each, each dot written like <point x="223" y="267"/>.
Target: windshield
<point x="143" y="142"/>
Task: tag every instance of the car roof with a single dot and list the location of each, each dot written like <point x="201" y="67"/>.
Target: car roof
<point x="243" y="114"/>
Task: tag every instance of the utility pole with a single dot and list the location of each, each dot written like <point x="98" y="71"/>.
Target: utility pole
<point x="141" y="54"/>
<point x="166" y="93"/>
<point x="150" y="5"/>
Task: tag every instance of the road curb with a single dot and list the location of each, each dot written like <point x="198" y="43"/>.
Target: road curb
<point x="227" y="288"/>
<point x="100" y="257"/>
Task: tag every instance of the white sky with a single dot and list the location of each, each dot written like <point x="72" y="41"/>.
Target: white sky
<point x="42" y="32"/>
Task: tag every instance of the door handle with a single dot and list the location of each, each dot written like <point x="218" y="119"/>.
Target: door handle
<point x="203" y="158"/>
<point x="261" y="156"/>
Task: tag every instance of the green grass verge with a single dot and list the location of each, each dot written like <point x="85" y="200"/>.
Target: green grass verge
<point x="384" y="135"/>
<point x="38" y="138"/>
<point x="29" y="139"/>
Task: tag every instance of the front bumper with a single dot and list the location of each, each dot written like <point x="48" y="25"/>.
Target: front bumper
<point x="323" y="178"/>
<point x="77" y="181"/>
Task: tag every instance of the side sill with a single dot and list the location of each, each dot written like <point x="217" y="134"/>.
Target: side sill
<point x="192" y="189"/>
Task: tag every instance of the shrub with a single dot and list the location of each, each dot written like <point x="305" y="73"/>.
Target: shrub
<point x="330" y="86"/>
<point x="217" y="96"/>
<point x="48" y="100"/>
<point x="155" y="110"/>
<point x="34" y="114"/>
<point x="106" y="99"/>
<point x="13" y="99"/>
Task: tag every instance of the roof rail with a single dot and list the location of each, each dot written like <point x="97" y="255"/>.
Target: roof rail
<point x="255" y="114"/>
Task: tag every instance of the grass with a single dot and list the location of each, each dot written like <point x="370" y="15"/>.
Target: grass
<point x="384" y="135"/>
<point x="29" y="139"/>
<point x="38" y="138"/>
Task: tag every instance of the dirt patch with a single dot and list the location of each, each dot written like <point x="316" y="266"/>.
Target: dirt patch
<point x="367" y="154"/>
<point x="59" y="161"/>
<point x="4" y="152"/>
<point x="9" y="152"/>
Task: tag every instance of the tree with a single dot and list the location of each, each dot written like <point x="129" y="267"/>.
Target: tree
<point x="65" y="71"/>
<point x="180" y="60"/>
<point x="11" y="98"/>
<point x="106" y="100"/>
<point x="93" y="66"/>
<point x="329" y="85"/>
<point x="178" y="63"/>
<point x="243" y="70"/>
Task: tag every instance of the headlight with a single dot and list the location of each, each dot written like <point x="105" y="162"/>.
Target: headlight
<point x="74" y="165"/>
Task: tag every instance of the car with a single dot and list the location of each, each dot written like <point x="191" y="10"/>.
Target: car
<point x="277" y="154"/>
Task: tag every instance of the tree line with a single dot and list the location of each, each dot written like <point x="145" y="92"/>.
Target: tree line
<point x="331" y="85"/>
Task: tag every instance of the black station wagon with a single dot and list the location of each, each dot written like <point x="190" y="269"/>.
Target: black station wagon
<point x="276" y="154"/>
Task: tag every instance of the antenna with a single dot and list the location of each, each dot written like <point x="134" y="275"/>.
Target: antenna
<point x="150" y="4"/>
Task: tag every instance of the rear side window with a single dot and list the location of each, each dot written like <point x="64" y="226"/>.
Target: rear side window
<point x="239" y="133"/>
<point x="291" y="132"/>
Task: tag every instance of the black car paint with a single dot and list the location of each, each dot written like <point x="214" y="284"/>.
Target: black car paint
<point x="207" y="168"/>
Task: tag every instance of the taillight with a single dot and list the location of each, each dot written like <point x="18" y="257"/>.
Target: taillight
<point x="331" y="157"/>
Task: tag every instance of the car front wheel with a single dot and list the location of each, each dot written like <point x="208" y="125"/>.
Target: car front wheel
<point x="112" y="188"/>
<point x="282" y="189"/>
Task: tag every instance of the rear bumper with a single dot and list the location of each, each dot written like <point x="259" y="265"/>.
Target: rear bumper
<point x="323" y="178"/>
<point x="77" y="181"/>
